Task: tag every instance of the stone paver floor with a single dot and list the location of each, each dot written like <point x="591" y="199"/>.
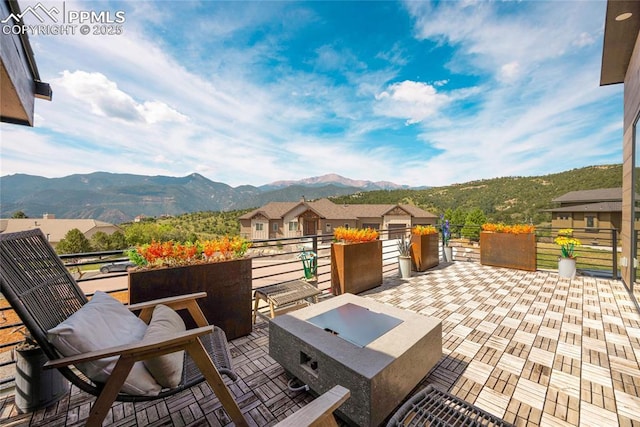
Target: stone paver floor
<point x="529" y="347"/>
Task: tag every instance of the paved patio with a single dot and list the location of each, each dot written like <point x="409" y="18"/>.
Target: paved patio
<point x="532" y="348"/>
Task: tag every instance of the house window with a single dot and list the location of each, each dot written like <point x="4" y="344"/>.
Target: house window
<point x="275" y="226"/>
<point x="590" y="221"/>
<point x="293" y="225"/>
<point x="563" y="216"/>
<point x="346" y="225"/>
<point x="328" y="227"/>
<point x="259" y="226"/>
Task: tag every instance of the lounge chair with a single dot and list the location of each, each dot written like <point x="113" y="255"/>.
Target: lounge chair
<point x="44" y="295"/>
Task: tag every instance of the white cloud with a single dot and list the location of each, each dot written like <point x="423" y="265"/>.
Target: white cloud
<point x="510" y="71"/>
<point x="106" y="100"/>
<point x="540" y="102"/>
<point x="584" y="39"/>
<point x="415" y="101"/>
<point x="514" y="92"/>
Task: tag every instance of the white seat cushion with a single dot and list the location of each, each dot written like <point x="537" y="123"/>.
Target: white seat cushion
<point x="101" y="323"/>
<point x="164" y="324"/>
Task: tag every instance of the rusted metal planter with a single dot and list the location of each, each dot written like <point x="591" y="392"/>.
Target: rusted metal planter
<point x="424" y="251"/>
<point x="508" y="250"/>
<point x="227" y="284"/>
<point x="356" y="267"/>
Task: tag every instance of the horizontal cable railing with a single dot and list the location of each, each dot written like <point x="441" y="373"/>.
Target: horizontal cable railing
<point x="279" y="260"/>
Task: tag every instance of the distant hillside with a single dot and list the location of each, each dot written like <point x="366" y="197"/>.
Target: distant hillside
<point x="337" y="181"/>
<point x="510" y="199"/>
<point x="119" y="198"/>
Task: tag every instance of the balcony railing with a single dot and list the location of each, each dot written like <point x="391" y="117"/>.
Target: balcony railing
<point x="278" y="260"/>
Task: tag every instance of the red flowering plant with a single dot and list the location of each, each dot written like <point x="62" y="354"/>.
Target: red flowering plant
<point x="173" y="254"/>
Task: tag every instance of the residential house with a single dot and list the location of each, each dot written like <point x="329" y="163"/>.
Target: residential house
<point x="19" y="78"/>
<point x="293" y="219"/>
<point x="56" y="229"/>
<point x="588" y="209"/>
<point x="621" y="64"/>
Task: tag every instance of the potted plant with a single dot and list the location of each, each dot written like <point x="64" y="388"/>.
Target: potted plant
<point x="356" y="260"/>
<point x="424" y="247"/>
<point x="510" y="246"/>
<point x="567" y="259"/>
<point x="445" y="229"/>
<point x="218" y="267"/>
<point x="404" y="257"/>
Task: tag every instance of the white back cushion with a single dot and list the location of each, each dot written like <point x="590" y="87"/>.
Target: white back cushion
<point x="164" y="324"/>
<point x="102" y="323"/>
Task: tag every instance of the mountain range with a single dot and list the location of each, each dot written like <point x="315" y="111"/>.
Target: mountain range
<point x="118" y="198"/>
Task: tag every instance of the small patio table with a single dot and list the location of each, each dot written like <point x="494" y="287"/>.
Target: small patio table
<point x="284" y="294"/>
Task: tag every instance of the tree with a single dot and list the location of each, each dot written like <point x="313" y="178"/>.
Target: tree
<point x="100" y="241"/>
<point x="73" y="242"/>
<point x="117" y="241"/>
<point x="474" y="220"/>
<point x="19" y="214"/>
<point x="457" y="219"/>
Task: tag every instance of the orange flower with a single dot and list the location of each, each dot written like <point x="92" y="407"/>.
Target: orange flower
<point x="421" y="230"/>
<point x="513" y="229"/>
<point x="355" y="235"/>
<point x="156" y="254"/>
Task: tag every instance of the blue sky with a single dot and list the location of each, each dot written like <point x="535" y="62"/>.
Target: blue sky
<point x="417" y="92"/>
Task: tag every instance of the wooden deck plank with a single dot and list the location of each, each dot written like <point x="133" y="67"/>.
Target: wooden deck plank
<point x="526" y="345"/>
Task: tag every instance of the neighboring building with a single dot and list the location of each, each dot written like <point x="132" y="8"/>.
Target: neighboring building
<point x="621" y="64"/>
<point x="56" y="229"/>
<point x="293" y="219"/>
<point x="588" y="209"/>
<point x="19" y="78"/>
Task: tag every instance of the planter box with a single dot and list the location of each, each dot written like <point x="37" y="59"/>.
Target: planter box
<point x="508" y="250"/>
<point x="356" y="267"/>
<point x="227" y="284"/>
<point x="424" y="251"/>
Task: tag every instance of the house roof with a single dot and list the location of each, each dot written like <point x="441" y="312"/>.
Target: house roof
<point x="598" y="195"/>
<point x="590" y="207"/>
<point x="326" y="209"/>
<point x="55" y="229"/>
<point x="619" y="39"/>
<point x="19" y="77"/>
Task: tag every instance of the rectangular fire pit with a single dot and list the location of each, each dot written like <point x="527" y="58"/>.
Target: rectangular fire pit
<point x="377" y="351"/>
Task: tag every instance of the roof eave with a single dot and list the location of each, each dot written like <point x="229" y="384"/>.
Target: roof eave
<point x="619" y="40"/>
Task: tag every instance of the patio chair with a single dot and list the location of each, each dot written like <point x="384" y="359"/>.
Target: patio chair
<point x="433" y="407"/>
<point x="43" y="294"/>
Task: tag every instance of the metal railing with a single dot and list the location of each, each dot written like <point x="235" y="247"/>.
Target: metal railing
<point x="278" y="260"/>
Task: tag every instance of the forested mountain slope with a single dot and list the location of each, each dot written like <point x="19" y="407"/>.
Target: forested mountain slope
<point x="509" y="199"/>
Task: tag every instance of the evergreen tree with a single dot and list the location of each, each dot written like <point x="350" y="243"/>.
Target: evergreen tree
<point x="474" y="220"/>
<point x="458" y="218"/>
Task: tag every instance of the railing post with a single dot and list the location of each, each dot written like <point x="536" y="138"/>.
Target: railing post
<point x="614" y="247"/>
<point x="314" y="262"/>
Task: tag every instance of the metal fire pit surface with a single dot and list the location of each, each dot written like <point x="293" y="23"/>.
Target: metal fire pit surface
<point x="355" y="324"/>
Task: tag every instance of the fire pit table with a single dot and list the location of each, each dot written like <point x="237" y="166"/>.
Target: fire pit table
<point x="377" y="351"/>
